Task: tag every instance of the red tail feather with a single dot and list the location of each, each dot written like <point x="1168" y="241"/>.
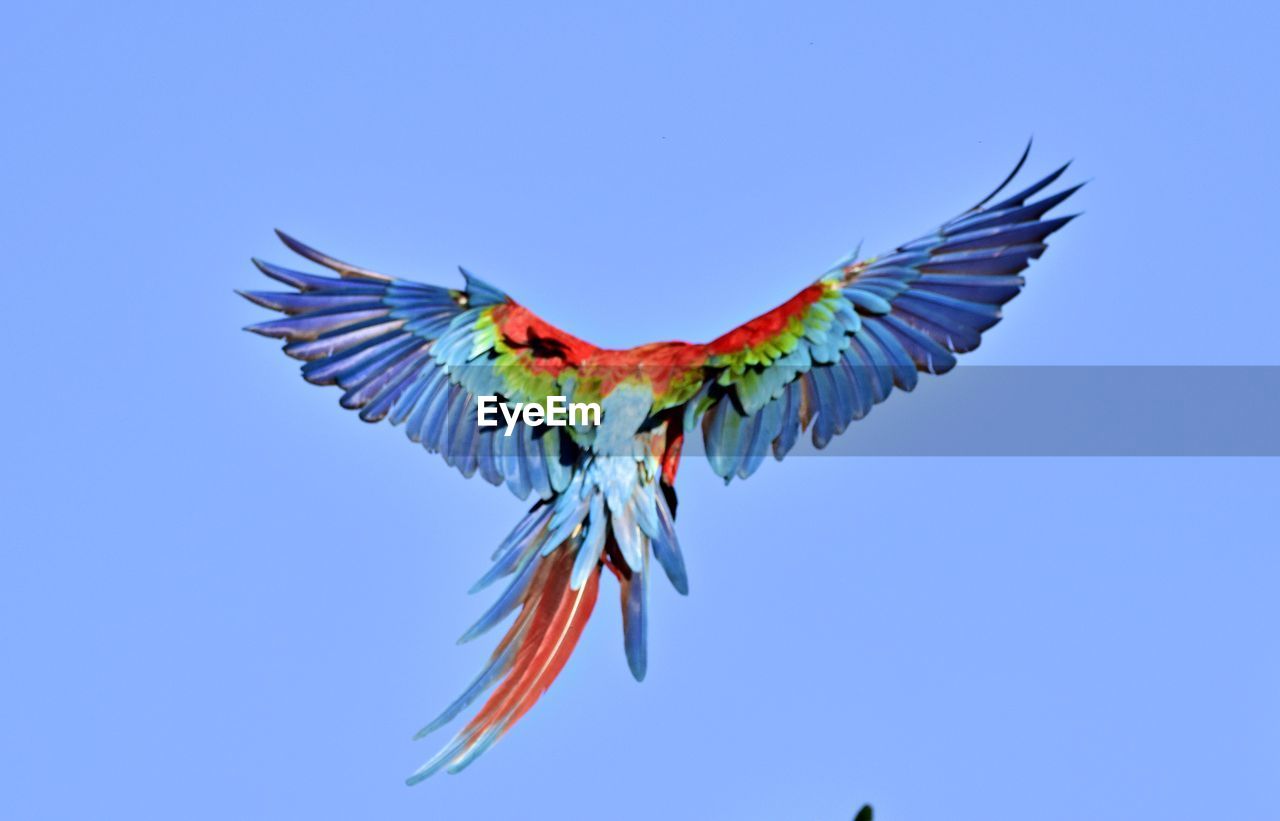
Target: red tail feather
<point x="552" y="619"/>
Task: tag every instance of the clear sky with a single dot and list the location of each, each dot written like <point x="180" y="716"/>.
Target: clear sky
<point x="224" y="597"/>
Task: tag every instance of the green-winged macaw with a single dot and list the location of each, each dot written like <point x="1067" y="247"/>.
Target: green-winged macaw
<point x="604" y="496"/>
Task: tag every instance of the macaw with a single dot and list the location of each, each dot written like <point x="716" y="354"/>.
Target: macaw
<point x="604" y="496"/>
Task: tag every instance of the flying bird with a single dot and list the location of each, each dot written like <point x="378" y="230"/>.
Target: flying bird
<point x="604" y="496"/>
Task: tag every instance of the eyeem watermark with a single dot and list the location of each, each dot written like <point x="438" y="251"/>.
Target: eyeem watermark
<point x="557" y="413"/>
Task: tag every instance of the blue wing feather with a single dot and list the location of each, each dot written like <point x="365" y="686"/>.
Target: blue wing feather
<point x="909" y="311"/>
<point x="397" y="349"/>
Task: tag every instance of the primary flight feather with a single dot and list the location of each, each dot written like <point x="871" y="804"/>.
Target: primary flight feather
<point x="604" y="496"/>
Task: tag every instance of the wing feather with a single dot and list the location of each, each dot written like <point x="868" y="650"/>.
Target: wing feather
<point x="836" y="349"/>
<point x="418" y="355"/>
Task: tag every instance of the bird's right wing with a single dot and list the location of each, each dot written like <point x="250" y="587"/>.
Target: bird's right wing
<point x="841" y="345"/>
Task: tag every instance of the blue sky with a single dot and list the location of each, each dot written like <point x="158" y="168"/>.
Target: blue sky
<point x="223" y="597"/>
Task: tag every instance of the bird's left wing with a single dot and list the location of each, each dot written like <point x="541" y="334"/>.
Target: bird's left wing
<point x="419" y="355"/>
<point x="841" y="345"/>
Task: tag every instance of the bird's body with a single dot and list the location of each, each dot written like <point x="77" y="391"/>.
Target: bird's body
<point x="419" y="355"/>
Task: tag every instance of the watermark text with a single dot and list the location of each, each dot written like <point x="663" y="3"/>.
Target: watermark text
<point x="557" y="413"/>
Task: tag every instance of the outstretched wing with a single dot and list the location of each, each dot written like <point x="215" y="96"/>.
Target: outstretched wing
<point x="841" y="345"/>
<point x="419" y="355"/>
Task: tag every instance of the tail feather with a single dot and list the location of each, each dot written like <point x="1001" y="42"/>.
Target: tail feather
<point x="514" y="549"/>
<point x="553" y="561"/>
<point x="560" y="616"/>
<point x="514" y="596"/>
<point x="635" y="618"/>
<point x="499" y="663"/>
<point x="529" y="658"/>
<point x="666" y="548"/>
